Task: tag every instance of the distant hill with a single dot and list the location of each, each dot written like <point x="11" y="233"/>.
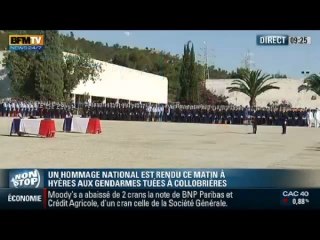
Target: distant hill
<point x="148" y="60"/>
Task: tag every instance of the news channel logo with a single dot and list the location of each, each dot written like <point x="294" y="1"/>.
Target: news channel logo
<point x="26" y="42"/>
<point x="25" y="178"/>
<point x="272" y="40"/>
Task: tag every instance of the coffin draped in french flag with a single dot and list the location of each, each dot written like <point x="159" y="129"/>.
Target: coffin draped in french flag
<point x="82" y="125"/>
<point x="39" y="127"/>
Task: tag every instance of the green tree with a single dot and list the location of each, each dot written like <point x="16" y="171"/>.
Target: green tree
<point x="194" y="79"/>
<point x="143" y="59"/>
<point x="209" y="98"/>
<point x="183" y="78"/>
<point x="4" y="36"/>
<point x="189" y="78"/>
<point x="49" y="68"/>
<point x="311" y="83"/>
<point x="116" y="45"/>
<point x="238" y="73"/>
<point x="20" y="66"/>
<point x="279" y="75"/>
<point x="252" y="83"/>
<point x="121" y="59"/>
<point x="49" y="74"/>
<point x="217" y="73"/>
<point x="79" y="68"/>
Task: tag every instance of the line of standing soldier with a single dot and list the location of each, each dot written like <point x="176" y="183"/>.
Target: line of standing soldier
<point x="167" y="113"/>
<point x="194" y="114"/>
<point x="41" y="109"/>
<point x="283" y="118"/>
<point x="123" y="111"/>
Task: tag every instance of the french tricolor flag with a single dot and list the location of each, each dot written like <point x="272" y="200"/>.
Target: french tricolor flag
<point x="82" y="125"/>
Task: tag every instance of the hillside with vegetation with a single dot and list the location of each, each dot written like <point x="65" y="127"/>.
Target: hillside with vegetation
<point x="148" y="60"/>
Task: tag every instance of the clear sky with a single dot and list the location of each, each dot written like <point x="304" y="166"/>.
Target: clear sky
<point x="226" y="49"/>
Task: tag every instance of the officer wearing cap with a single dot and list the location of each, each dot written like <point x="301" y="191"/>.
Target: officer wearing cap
<point x="284" y="119"/>
<point x="254" y="123"/>
<point x="4" y="109"/>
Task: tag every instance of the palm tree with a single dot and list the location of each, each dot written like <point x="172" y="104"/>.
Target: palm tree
<point x="253" y="83"/>
<point x="311" y="83"/>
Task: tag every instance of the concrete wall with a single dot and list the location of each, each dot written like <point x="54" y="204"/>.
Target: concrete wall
<point x="288" y="91"/>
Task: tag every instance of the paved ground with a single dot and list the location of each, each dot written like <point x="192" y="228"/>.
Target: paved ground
<point x="161" y="145"/>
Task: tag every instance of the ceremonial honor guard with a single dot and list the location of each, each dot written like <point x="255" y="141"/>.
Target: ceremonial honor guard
<point x="24" y="109"/>
<point x="211" y="114"/>
<point x="242" y="115"/>
<point x="316" y="118"/>
<point x="161" y="112"/>
<point x="4" y="109"/>
<point x="284" y="123"/>
<point x="290" y="118"/>
<point x="254" y="124"/>
<point x="228" y="116"/>
<point x="29" y="109"/>
<point x="34" y="108"/>
<point x="13" y="109"/>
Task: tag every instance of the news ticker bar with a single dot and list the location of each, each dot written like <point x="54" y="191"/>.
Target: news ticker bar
<point x="158" y="178"/>
<point x="236" y="199"/>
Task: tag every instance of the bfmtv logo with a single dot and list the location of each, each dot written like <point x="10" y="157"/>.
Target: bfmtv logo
<point x="26" y="179"/>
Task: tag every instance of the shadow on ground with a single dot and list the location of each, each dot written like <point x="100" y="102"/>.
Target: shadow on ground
<point x="26" y="136"/>
<point x="313" y="149"/>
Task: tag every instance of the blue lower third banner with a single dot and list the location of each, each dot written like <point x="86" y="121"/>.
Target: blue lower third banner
<point x="159" y="189"/>
<point x="159" y="178"/>
<point x="160" y="199"/>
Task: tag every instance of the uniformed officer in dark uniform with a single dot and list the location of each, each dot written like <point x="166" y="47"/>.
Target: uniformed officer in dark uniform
<point x="290" y="118"/>
<point x="304" y="117"/>
<point x="236" y="116"/>
<point x="241" y="114"/>
<point x="211" y="115"/>
<point x="254" y="123"/>
<point x="2" y="109"/>
<point x="284" y="123"/>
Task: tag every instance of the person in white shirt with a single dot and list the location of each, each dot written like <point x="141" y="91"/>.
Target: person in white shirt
<point x="169" y="113"/>
<point x="154" y="112"/>
<point x="69" y="114"/>
<point x="30" y="108"/>
<point x="310" y="118"/>
<point x="35" y="109"/>
<point x="13" y="109"/>
<point x="9" y="109"/>
<point x="24" y="108"/>
<point x="161" y="112"/>
<point x="157" y="117"/>
<point x="317" y="118"/>
<point x="149" y="109"/>
<point x="27" y="107"/>
<point x="17" y="109"/>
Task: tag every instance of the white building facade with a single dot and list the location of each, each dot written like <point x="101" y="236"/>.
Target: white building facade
<point x="116" y="82"/>
<point x="288" y="92"/>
